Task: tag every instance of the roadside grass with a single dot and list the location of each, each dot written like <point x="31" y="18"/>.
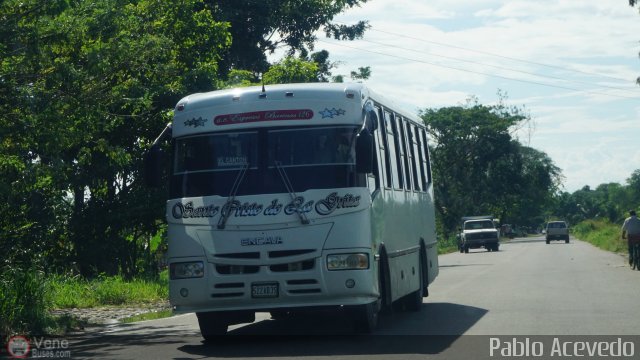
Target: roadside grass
<point x="148" y="316"/>
<point x="448" y="245"/>
<point x="76" y="292"/>
<point x="23" y="301"/>
<point x="28" y="296"/>
<point x="603" y="234"/>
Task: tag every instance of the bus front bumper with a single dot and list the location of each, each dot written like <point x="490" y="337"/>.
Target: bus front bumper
<point x="265" y="290"/>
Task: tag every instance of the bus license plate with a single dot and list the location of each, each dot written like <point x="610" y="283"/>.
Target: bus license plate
<point x="269" y="290"/>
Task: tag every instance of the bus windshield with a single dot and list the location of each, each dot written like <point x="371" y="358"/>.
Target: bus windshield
<point x="313" y="157"/>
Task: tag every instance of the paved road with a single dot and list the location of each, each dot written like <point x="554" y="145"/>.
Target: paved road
<point x="527" y="288"/>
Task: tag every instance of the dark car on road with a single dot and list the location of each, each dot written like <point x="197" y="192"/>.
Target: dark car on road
<point x="557" y="230"/>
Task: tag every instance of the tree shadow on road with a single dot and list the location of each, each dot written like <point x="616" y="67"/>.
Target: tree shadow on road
<point x="431" y="331"/>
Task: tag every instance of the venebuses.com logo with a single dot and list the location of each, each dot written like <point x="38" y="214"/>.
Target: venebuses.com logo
<point x="21" y="347"/>
<point x="18" y="347"/>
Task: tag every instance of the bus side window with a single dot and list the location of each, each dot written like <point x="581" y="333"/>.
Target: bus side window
<point x="426" y="162"/>
<point x="413" y="160"/>
<point x="373" y="179"/>
<point x="392" y="148"/>
<point x="404" y="153"/>
<point x="398" y="152"/>
<point x="384" y="150"/>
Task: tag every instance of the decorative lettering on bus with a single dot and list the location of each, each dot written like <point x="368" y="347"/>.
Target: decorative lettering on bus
<point x="257" y="116"/>
<point x="334" y="201"/>
<point x="273" y="209"/>
<point x="241" y="210"/>
<point x="186" y="211"/>
<point x="235" y="208"/>
<point x="298" y="206"/>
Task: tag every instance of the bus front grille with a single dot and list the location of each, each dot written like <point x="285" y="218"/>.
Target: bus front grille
<point x="295" y="266"/>
<point x="243" y="255"/>
<point x="237" y="269"/>
<point x="285" y="253"/>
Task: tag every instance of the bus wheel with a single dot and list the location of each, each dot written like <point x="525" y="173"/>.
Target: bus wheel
<point x="413" y="301"/>
<point x="280" y="314"/>
<point x="384" y="283"/>
<point x="365" y="317"/>
<point x="212" y="325"/>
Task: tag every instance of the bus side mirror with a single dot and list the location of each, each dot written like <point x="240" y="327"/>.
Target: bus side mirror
<point x="371" y="122"/>
<point x="153" y="165"/>
<point x="364" y="152"/>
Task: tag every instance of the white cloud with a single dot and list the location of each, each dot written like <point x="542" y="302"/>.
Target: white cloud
<point x="572" y="63"/>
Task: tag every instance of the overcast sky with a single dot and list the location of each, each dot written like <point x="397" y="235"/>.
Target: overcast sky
<point x="571" y="64"/>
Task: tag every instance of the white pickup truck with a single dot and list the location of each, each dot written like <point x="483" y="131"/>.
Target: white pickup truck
<point x="477" y="232"/>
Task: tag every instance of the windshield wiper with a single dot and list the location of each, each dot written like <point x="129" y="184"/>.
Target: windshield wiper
<point x="287" y="184"/>
<point x="224" y="215"/>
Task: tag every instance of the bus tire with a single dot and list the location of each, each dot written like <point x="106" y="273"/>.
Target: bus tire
<point x="280" y="314"/>
<point x="213" y="326"/>
<point x="365" y="317"/>
<point x="413" y="301"/>
<point x="384" y="284"/>
<point x="425" y="270"/>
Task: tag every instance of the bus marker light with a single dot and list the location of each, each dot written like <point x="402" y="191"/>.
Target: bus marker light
<point x="350" y="283"/>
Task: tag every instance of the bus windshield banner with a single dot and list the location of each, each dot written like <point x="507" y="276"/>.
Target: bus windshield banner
<point x="257" y="116"/>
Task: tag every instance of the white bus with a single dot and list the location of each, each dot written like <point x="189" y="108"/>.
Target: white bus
<point x="297" y="197"/>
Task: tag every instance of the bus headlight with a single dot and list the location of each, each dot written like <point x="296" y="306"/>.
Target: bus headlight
<point x="348" y="261"/>
<point x="185" y="270"/>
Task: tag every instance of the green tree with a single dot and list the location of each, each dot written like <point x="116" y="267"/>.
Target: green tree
<point x="633" y="196"/>
<point x="610" y="202"/>
<point x="260" y="27"/>
<point x="479" y="168"/>
<point x="89" y="85"/>
<point x="363" y="73"/>
<point x="538" y="181"/>
<point x="291" y="70"/>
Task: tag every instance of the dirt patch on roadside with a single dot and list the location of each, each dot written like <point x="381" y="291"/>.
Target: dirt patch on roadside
<point x="105" y="315"/>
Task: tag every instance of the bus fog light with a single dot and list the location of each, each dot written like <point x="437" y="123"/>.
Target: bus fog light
<point x="184" y="292"/>
<point x="348" y="261"/>
<point x="350" y="283"/>
<point x="185" y="270"/>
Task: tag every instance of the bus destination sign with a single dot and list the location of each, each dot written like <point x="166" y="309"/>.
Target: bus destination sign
<point x="257" y="116"/>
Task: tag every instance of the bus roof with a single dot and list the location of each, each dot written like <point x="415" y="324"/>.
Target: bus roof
<point x="278" y="105"/>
